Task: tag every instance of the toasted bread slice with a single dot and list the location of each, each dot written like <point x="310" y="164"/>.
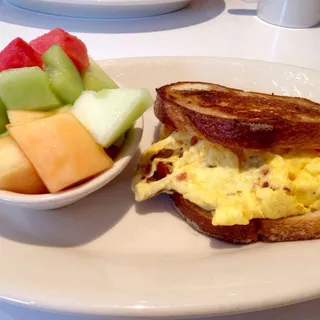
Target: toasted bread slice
<point x="239" y="119"/>
<point x="295" y="228"/>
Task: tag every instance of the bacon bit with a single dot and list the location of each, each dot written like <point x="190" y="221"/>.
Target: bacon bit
<point x="182" y="176"/>
<point x="265" y="184"/>
<point x="164" y="153"/>
<point x="178" y="152"/>
<point x="265" y="171"/>
<point x="147" y="168"/>
<point x="162" y="171"/>
<point x="286" y="189"/>
<point x="180" y="141"/>
<point x="194" y="140"/>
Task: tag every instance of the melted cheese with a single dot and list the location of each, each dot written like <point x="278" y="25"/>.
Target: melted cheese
<point x="234" y="185"/>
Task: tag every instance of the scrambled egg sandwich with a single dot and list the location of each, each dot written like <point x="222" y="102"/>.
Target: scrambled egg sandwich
<point x="239" y="166"/>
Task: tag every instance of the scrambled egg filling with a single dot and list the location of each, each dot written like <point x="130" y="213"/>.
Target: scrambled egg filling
<point x="234" y="185"/>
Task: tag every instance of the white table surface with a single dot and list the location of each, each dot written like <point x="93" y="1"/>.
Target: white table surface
<point x="206" y="28"/>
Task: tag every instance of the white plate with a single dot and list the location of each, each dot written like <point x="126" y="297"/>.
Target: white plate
<point x="102" y="8"/>
<point x="106" y="255"/>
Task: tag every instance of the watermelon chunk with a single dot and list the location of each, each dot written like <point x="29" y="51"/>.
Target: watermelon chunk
<point x="72" y="46"/>
<point x="19" y="54"/>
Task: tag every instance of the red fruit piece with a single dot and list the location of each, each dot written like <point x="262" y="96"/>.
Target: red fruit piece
<point x="72" y="46"/>
<point x="19" y="54"/>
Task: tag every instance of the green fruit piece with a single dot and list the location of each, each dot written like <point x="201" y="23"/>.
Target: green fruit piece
<point x="65" y="108"/>
<point x="109" y="113"/>
<point x="95" y="79"/>
<point x="26" y="89"/>
<point x="64" y="77"/>
<point x="3" y="117"/>
<point x="4" y="134"/>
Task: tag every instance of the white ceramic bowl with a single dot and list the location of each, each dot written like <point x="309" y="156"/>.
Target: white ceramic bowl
<point x="57" y="200"/>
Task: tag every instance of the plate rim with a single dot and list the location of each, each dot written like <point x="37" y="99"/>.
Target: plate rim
<point x="133" y="311"/>
<point x="113" y="2"/>
<point x="98" y="9"/>
<point x="201" y="57"/>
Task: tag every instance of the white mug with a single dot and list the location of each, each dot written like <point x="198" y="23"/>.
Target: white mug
<point x="290" y="13"/>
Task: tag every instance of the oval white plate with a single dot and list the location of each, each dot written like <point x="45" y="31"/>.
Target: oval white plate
<point x="102" y="8"/>
<point x="106" y="255"/>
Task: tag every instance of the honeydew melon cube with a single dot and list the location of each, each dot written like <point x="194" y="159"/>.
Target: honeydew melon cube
<point x="26" y="89"/>
<point x="65" y="79"/>
<point x="95" y="79"/>
<point x="4" y="134"/>
<point x="3" y="117"/>
<point x="109" y="113"/>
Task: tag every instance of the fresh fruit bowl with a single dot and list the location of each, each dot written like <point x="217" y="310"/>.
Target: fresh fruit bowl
<point x="57" y="200"/>
<point x="66" y="128"/>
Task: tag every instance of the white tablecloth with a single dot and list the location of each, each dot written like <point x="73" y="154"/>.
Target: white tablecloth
<point x="206" y="28"/>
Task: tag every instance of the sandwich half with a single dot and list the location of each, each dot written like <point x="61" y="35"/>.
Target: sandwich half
<point x="239" y="166"/>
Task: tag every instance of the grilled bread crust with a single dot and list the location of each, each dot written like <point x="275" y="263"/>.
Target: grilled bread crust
<point x="295" y="228"/>
<point x="239" y="119"/>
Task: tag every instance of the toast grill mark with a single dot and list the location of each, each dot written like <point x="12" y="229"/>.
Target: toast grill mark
<point x="239" y="119"/>
<point x="249" y="105"/>
<point x="229" y="132"/>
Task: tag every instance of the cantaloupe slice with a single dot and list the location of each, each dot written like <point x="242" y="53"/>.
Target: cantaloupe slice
<point x="61" y="150"/>
<point x="16" y="172"/>
<point x="17" y="117"/>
